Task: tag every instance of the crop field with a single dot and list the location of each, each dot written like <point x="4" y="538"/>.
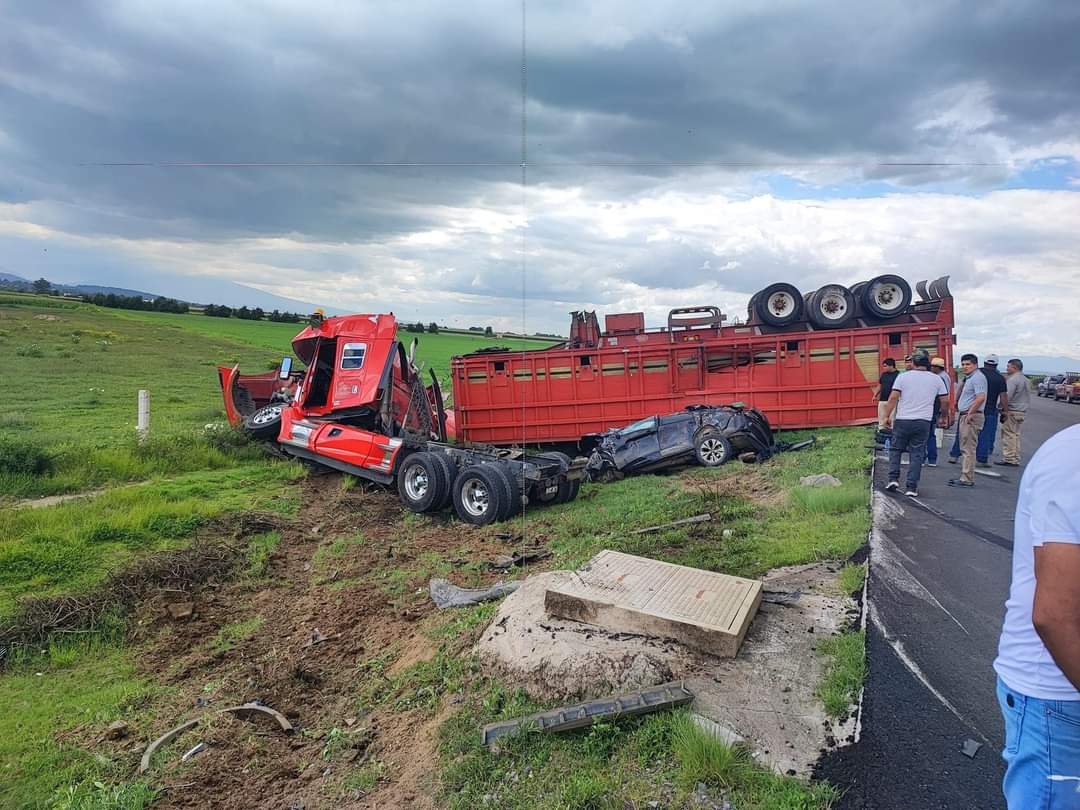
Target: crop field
<point x="387" y="709"/>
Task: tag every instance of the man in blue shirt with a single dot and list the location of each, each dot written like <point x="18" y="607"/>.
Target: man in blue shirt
<point x="969" y="408"/>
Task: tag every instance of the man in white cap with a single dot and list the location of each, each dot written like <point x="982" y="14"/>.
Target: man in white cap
<point x="997" y="402"/>
<point x="942" y="417"/>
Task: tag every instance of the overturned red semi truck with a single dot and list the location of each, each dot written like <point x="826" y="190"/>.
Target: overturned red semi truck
<point x="805" y="361"/>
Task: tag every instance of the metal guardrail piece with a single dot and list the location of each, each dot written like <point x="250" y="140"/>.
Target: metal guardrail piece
<point x="655" y="698"/>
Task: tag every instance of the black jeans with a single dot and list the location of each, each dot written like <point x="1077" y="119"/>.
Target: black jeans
<point x="909" y="435"/>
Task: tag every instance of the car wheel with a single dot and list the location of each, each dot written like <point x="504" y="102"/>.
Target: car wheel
<point x="479" y="494"/>
<point x="831" y="306"/>
<point x="265" y="423"/>
<point x="711" y="449"/>
<point x="885" y="296"/>
<point x="779" y="304"/>
<point x="421" y="483"/>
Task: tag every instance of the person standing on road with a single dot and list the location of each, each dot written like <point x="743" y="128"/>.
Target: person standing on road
<point x="997" y="402"/>
<point x="913" y="400"/>
<point x="1018" y="394"/>
<point x="884" y="388"/>
<point x="942" y="417"/>
<point x="1038" y="662"/>
<point x="970" y="409"/>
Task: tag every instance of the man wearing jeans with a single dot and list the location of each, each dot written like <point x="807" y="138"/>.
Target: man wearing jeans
<point x="970" y="409"/>
<point x="1038" y="662"/>
<point x="997" y="402"/>
<point x="913" y="399"/>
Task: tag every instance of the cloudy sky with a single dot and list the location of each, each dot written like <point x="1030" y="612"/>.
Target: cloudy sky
<point x="673" y="157"/>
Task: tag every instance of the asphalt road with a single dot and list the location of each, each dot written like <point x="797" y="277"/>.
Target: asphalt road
<point x="939" y="575"/>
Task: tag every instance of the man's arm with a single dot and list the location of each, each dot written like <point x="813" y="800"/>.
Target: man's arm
<point x="944" y="410"/>
<point x="1056" y="611"/>
<point x="979" y="400"/>
<point x="1003" y="400"/>
<point x="890" y="406"/>
<point x="877" y="390"/>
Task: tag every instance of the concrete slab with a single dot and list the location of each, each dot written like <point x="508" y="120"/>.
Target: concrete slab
<point x="622" y="593"/>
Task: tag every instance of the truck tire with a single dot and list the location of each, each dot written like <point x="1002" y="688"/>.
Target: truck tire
<point x="264" y="423"/>
<point x="885" y="296"/>
<point x="514" y="501"/>
<point x="421" y="483"/>
<point x="779" y="304"/>
<point x="450" y="472"/>
<point x="479" y="494"/>
<point x="831" y="306"/>
<point x="567" y="489"/>
<point x="711" y="449"/>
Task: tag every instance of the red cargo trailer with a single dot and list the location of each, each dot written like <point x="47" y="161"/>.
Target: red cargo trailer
<point x="804" y="361"/>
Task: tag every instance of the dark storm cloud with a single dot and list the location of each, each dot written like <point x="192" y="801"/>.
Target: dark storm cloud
<point x="98" y="82"/>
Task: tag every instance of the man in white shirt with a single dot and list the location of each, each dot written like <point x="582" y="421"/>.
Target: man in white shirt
<point x="1038" y="663"/>
<point x="914" y="398"/>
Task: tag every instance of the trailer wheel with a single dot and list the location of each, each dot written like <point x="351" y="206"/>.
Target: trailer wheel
<point x="779" y="304"/>
<point x="480" y="494"/>
<point x="421" y="483"/>
<point x="711" y="449"/>
<point x="265" y="423"/>
<point x="567" y="489"/>
<point x="514" y="502"/>
<point x="450" y="472"/>
<point x="885" y="296"/>
<point x="831" y="306"/>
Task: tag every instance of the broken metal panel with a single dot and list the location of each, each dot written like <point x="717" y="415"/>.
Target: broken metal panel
<point x="655" y="698"/>
<point x="622" y="593"/>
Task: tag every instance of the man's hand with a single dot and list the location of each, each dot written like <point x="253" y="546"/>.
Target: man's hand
<point x="1056" y="610"/>
<point x="1001" y="418"/>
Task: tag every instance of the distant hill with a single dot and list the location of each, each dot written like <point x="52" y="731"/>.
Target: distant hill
<point x="189" y="290"/>
<point x="1039" y="364"/>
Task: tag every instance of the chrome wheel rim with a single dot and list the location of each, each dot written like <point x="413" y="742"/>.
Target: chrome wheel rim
<point x="416" y="482"/>
<point x="887" y="296"/>
<point x="712" y="451"/>
<point x="267" y="415"/>
<point x="475" y="497"/>
<point x="833" y="305"/>
<point x="780" y="303"/>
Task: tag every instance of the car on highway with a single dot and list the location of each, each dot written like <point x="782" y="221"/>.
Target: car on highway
<point x="1069" y="388"/>
<point x="1047" y="384"/>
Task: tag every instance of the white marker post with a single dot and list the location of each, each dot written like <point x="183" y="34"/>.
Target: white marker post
<point x="142" y="427"/>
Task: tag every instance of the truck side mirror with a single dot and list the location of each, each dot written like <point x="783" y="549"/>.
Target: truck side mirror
<point x="286" y="368"/>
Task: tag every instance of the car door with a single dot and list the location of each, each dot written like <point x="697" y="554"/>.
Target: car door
<point x="638" y="445"/>
<point x="676" y="435"/>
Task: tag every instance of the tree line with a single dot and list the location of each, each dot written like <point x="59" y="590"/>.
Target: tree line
<point x="159" y="304"/>
<point x="253" y="314"/>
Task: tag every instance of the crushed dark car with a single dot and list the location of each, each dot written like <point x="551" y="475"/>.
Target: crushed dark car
<point x="709" y="435"/>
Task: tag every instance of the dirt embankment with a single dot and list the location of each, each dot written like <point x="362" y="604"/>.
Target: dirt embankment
<point x="331" y="575"/>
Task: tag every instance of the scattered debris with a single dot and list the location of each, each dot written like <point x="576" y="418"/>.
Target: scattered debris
<point x="727" y="534"/>
<point x="117" y="730"/>
<point x="782" y="597"/>
<point x="198" y="749"/>
<point x="317" y="637"/>
<point x="970" y="748"/>
<point x="246" y="710"/>
<point x="988" y="473"/>
<point x="446" y="595"/>
<point x="180" y="610"/>
<point x="726" y="735"/>
<point x="684" y="521"/>
<point x="564" y="718"/>
<point x="163" y="740"/>
<point x="819" y="480"/>
<point x="520" y="558"/>
<point x="627" y="594"/>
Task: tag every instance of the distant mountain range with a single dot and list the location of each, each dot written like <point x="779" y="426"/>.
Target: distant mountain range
<point x="198" y="292"/>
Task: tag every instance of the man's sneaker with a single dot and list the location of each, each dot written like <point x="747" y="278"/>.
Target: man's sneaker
<point x="912" y="493"/>
<point x="982" y="463"/>
<point x="953" y="459"/>
<point x="956" y="482"/>
<point x="1006" y="464"/>
<point x="931" y="464"/>
<point x="892" y="486"/>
